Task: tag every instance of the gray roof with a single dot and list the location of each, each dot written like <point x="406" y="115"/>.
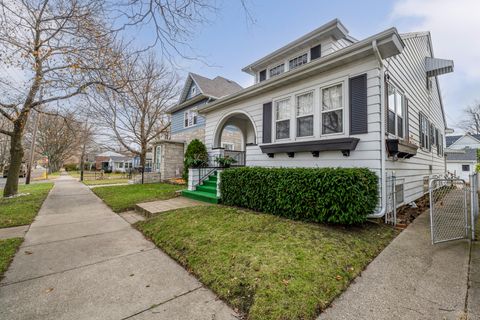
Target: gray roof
<point x="452" y="139"/>
<point x="468" y="154"/>
<point x="217" y="87"/>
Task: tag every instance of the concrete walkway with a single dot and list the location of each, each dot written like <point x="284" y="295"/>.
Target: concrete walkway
<point x="410" y="279"/>
<point x="80" y="260"/>
<point x="151" y="208"/>
<point x="13" y="232"/>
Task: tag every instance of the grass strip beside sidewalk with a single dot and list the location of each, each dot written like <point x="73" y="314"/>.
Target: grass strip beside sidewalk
<point x="23" y="209"/>
<point x="8" y="248"/>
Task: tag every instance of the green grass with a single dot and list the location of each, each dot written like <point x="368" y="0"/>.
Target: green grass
<point x="266" y="266"/>
<point x="104" y="181"/>
<point x="22" y="210"/>
<point x="8" y="248"/>
<point x="123" y="198"/>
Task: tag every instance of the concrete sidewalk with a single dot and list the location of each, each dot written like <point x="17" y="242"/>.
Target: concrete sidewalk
<point x="80" y="260"/>
<point x="410" y="279"/>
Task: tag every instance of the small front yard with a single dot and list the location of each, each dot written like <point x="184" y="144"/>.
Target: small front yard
<point x="123" y="198"/>
<point x="8" y="248"/>
<point x="22" y="210"/>
<point x="265" y="266"/>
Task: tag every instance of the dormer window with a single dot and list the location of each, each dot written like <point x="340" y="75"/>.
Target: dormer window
<point x="262" y="75"/>
<point x="275" y="71"/>
<point x="298" y="61"/>
<point x="193" y="90"/>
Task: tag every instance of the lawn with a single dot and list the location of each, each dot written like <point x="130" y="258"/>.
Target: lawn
<point x="123" y="198"/>
<point x="265" y="266"/>
<point x="8" y="248"/>
<point x="22" y="210"/>
<point x="104" y="181"/>
<point x="90" y="177"/>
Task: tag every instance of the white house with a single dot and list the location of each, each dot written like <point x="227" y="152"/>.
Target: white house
<point x="113" y="162"/>
<point x="461" y="154"/>
<point x="329" y="100"/>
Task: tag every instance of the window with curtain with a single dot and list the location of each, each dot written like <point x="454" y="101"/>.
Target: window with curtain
<point x="282" y="119"/>
<point x="304" y="112"/>
<point x="332" y="109"/>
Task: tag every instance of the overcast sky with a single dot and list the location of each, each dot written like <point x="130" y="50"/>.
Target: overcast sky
<point x="230" y="43"/>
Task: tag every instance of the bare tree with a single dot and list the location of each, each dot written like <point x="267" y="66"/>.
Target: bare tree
<point x="471" y="122"/>
<point x="137" y="115"/>
<point x="58" y="138"/>
<point x="4" y="144"/>
<point x="59" y="47"/>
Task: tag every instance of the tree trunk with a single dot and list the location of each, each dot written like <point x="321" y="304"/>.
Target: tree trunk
<point x="143" y="157"/>
<point x="16" y="157"/>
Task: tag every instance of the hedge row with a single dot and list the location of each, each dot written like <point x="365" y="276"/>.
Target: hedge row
<point x="329" y="195"/>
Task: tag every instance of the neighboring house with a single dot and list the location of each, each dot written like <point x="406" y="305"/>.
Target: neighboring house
<point x="113" y="162"/>
<point x="461" y="154"/>
<point x="148" y="161"/>
<point x="186" y="123"/>
<point x="329" y="100"/>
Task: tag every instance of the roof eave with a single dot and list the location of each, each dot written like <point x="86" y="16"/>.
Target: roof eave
<point x="388" y="41"/>
<point x="189" y="102"/>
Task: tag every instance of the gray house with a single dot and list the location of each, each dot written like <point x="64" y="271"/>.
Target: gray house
<point x="187" y="124"/>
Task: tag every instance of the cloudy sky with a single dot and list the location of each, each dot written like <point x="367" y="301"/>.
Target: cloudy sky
<point x="230" y="43"/>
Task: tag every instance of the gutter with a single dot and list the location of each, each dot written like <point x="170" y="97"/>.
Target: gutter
<point x="383" y="208"/>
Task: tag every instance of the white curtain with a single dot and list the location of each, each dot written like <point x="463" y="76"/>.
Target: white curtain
<point x="305" y="104"/>
<point x="332" y="98"/>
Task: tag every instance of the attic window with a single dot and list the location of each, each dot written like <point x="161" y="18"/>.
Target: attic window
<point x="193" y="90"/>
<point x="298" y="61"/>
<point x="262" y="75"/>
<point x="275" y="71"/>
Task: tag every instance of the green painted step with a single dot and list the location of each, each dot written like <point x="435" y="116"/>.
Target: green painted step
<point x="210" y="183"/>
<point x="200" y="196"/>
<point x="205" y="188"/>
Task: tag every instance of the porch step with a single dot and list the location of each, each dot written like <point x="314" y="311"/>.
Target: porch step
<point x="207" y="188"/>
<point x="201" y="196"/>
<point x="210" y="183"/>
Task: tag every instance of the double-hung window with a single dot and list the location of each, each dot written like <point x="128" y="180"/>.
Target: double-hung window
<point x="396" y="112"/>
<point x="282" y="119"/>
<point x="304" y="114"/>
<point x="298" y="61"/>
<point x="332" y="109"/>
<point x="190" y="118"/>
<point x="424" y="132"/>
<point x="275" y="71"/>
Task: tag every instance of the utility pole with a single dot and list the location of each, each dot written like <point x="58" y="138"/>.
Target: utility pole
<point x="32" y="149"/>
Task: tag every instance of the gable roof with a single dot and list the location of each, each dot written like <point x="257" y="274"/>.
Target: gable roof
<point x="453" y="139"/>
<point x="467" y="154"/>
<point x="210" y="88"/>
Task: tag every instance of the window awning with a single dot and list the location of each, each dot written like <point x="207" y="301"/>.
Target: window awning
<point x="436" y="67"/>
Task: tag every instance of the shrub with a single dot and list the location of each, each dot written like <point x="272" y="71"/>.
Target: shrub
<point x="331" y="195"/>
<point x="196" y="155"/>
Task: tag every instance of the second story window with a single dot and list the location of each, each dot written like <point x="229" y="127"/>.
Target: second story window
<point x="396" y="111"/>
<point x="190" y="118"/>
<point x="282" y="119"/>
<point x="275" y="71"/>
<point x="298" y="61"/>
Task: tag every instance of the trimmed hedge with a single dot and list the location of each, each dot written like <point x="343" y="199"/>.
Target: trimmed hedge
<point x="329" y="195"/>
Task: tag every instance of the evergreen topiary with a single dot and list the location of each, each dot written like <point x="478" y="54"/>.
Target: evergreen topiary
<point x="196" y="156"/>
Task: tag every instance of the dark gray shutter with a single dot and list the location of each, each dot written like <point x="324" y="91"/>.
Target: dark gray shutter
<point x="315" y="52"/>
<point x="407" y="122"/>
<point x="358" y="105"/>
<point x="263" y="75"/>
<point x="267" y="122"/>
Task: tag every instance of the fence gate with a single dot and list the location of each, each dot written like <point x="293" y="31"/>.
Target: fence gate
<point x="453" y="208"/>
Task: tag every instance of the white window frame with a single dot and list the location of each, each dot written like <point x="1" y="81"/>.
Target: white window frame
<point x="428" y="141"/>
<point x="306" y="53"/>
<point x="275" y="120"/>
<point x="296" y="117"/>
<point x="276" y="66"/>
<point x="190" y="118"/>
<point x="230" y="144"/>
<point x="395" y="110"/>
<point x="343" y="108"/>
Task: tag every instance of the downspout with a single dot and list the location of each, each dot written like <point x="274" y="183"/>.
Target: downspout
<point x="383" y="208"/>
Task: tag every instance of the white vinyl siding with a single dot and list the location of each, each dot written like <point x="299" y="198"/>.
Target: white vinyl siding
<point x="408" y="71"/>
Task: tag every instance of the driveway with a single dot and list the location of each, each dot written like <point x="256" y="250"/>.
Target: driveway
<point x="80" y="260"/>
